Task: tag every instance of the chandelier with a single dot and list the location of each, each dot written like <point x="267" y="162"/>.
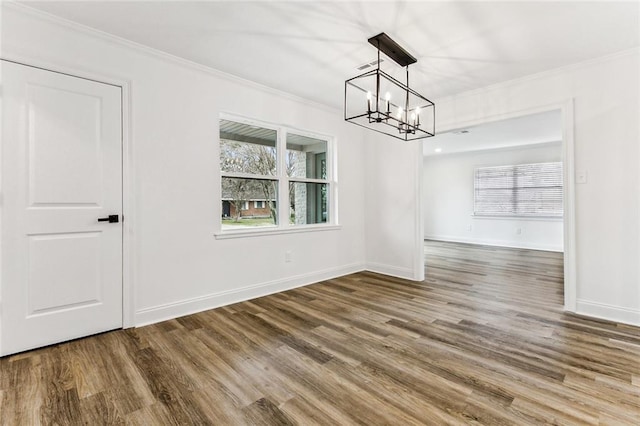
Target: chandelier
<point x="382" y="103"/>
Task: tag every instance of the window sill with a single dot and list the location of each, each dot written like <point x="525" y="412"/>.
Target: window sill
<point x="533" y="218"/>
<point x="225" y="235"/>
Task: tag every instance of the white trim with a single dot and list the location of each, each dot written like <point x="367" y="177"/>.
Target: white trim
<point x="418" y="259"/>
<point x="307" y="180"/>
<point x="161" y="55"/>
<point x="198" y="304"/>
<point x="608" y="312"/>
<point x="569" y="191"/>
<point x="273" y="230"/>
<point x="238" y="175"/>
<point x="2" y="206"/>
<point x="250" y="199"/>
<point x="332" y="171"/>
<point x="449" y="127"/>
<point x="495" y="243"/>
<point x="392" y="271"/>
<point x="129" y="254"/>
<point x="284" y="203"/>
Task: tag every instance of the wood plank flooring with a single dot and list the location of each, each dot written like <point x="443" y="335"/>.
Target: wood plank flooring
<point x="483" y="340"/>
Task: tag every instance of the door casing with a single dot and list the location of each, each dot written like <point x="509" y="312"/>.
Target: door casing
<point x="568" y="160"/>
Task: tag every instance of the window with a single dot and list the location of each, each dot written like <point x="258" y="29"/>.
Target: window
<point x="284" y="171"/>
<point x="531" y="190"/>
<point x="306" y="162"/>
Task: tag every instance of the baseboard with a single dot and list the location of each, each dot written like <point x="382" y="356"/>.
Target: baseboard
<point x="496" y="243"/>
<point x="608" y="312"/>
<point x="393" y="271"/>
<point x="198" y="304"/>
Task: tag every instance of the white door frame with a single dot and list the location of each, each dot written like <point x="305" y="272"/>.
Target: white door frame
<point x="568" y="159"/>
<point x="128" y="208"/>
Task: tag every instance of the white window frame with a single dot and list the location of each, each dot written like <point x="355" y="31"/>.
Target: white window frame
<point x="283" y="181"/>
<point x="258" y="206"/>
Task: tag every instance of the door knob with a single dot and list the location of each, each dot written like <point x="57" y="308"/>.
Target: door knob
<point x="112" y="218"/>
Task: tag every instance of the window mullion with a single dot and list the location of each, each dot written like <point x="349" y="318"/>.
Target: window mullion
<point x="332" y="197"/>
<point x="308" y="180"/>
<point x="237" y="175"/>
<point x="283" y="183"/>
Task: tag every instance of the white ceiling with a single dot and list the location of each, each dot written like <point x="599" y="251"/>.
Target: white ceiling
<point x="528" y="130"/>
<point x="310" y="48"/>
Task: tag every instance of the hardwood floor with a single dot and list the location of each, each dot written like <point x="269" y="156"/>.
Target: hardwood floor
<point x="483" y="340"/>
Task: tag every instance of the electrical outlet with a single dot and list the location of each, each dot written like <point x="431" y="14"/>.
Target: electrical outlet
<point x="581" y="176"/>
<point x="288" y="256"/>
<point x="469" y="228"/>
<point x="518" y="231"/>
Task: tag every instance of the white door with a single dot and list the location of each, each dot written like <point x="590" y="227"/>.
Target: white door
<point x="61" y="171"/>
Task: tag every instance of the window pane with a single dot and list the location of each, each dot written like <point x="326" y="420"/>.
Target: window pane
<point x="247" y="149"/>
<point x="540" y="202"/>
<point x="308" y="203"/>
<point x="498" y="201"/>
<point x="306" y="157"/>
<point x="241" y="201"/>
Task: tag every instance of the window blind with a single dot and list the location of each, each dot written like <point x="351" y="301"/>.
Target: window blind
<point x="533" y="190"/>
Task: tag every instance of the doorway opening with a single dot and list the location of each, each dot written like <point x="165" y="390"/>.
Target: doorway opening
<point x="503" y="188"/>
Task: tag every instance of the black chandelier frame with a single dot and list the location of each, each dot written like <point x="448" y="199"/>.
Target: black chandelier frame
<point x="406" y="129"/>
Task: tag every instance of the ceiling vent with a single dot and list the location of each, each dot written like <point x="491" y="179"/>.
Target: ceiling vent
<point x="369" y="64"/>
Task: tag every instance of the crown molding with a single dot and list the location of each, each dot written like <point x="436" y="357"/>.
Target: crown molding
<point x="159" y="54"/>
<point x="576" y="66"/>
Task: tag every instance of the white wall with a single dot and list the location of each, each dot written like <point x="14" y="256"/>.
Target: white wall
<point x="394" y="244"/>
<point x="179" y="266"/>
<point x="605" y="95"/>
<point x="448" y="200"/>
